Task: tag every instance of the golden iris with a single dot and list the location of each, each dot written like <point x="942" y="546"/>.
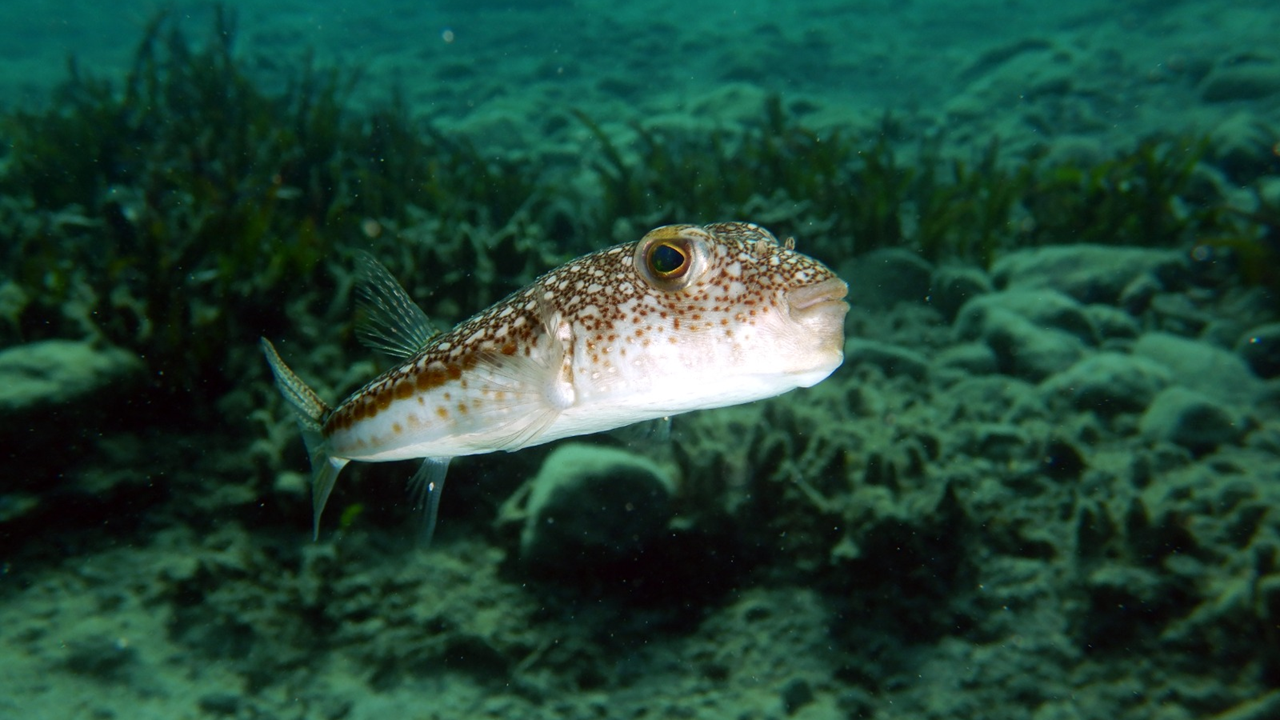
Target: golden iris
<point x="667" y="260"/>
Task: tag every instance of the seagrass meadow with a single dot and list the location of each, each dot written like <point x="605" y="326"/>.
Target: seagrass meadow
<point x="1045" y="482"/>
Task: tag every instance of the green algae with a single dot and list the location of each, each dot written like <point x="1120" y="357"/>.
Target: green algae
<point x="177" y="214"/>
<point x="879" y="544"/>
<point x="172" y="215"/>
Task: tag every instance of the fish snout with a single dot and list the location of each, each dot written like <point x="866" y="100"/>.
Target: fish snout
<point x="819" y="301"/>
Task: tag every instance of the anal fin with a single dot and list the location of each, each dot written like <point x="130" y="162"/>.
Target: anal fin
<point x="324" y="473"/>
<point x="425" y="487"/>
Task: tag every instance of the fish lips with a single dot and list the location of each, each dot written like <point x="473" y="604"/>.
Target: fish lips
<point x="819" y="303"/>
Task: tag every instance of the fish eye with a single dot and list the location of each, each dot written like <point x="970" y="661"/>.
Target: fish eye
<point x="667" y="260"/>
<point x="671" y="257"/>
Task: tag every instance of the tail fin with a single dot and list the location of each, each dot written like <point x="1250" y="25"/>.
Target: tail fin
<point x="311" y="412"/>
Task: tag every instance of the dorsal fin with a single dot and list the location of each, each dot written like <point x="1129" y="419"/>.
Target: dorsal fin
<point x="387" y="320"/>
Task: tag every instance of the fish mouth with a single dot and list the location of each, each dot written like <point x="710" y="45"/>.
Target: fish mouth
<point x="819" y="299"/>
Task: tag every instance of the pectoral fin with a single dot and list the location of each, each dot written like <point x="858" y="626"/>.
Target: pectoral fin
<point x="535" y="388"/>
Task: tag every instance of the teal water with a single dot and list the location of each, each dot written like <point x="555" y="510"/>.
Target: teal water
<point x="1044" y="483"/>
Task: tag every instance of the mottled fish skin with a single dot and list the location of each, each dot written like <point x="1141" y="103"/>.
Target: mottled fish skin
<point x="687" y="318"/>
<point x="603" y="341"/>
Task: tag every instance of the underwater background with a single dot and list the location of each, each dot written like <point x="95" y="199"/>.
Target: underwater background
<point x="1044" y="484"/>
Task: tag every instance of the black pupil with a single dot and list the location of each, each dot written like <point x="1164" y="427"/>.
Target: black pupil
<point x="666" y="259"/>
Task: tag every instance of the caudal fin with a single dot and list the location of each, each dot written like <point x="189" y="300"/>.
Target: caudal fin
<point x="311" y="413"/>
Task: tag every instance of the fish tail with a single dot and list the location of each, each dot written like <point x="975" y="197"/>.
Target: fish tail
<point x="311" y="412"/>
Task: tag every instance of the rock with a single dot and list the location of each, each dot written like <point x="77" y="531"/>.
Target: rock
<point x="1260" y="348"/>
<point x="591" y="504"/>
<point x="892" y="359"/>
<point x="1109" y="383"/>
<point x="1226" y="332"/>
<point x="1025" y="350"/>
<point x="1220" y="374"/>
<point x="56" y="398"/>
<point x="881" y="279"/>
<point x="1190" y="419"/>
<point x="1046" y="309"/>
<point x="1241" y="147"/>
<point x="1079" y="150"/>
<point x="1250" y="80"/>
<point x="1033" y="333"/>
<point x="970" y="358"/>
<point x="1111" y="322"/>
<point x="1088" y="273"/>
<point x="1175" y="312"/>
<point x="58" y="373"/>
<point x="955" y="285"/>
<point x="1136" y="297"/>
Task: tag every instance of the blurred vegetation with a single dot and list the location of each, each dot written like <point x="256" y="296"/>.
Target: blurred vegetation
<point x="180" y="214"/>
<point x="860" y="195"/>
<point x="188" y="211"/>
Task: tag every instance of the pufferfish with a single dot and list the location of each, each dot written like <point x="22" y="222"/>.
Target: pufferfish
<point x="687" y="318"/>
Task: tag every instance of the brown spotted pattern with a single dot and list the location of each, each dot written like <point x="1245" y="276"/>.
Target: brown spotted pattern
<point x="611" y="309"/>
